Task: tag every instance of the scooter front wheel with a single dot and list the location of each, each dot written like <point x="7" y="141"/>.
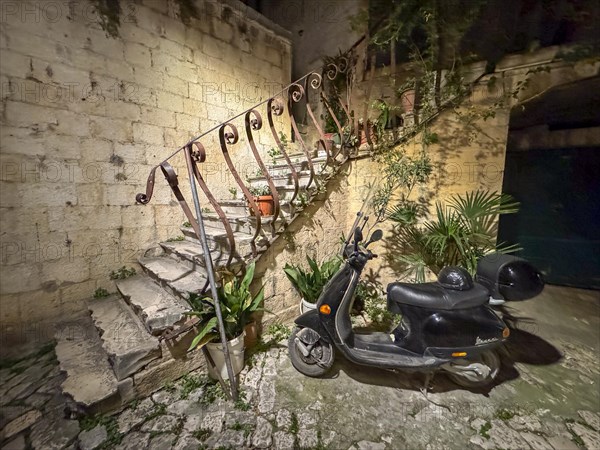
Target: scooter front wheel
<point x="309" y="353"/>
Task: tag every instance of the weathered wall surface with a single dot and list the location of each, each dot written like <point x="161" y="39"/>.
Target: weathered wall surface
<point x="469" y="156"/>
<point x="84" y="118"/>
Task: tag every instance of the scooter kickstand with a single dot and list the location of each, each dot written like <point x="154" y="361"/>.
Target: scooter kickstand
<point x="425" y="389"/>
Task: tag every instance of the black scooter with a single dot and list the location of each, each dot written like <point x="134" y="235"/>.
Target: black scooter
<point x="446" y="325"/>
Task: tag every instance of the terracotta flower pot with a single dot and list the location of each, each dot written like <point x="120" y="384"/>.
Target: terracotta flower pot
<point x="265" y="204"/>
<point x="251" y="334"/>
<point x="407" y="99"/>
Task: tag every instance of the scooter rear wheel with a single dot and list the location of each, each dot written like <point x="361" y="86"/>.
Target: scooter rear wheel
<point x="309" y="353"/>
<point x="490" y="359"/>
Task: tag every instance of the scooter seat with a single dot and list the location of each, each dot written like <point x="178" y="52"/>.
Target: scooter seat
<point x="435" y="296"/>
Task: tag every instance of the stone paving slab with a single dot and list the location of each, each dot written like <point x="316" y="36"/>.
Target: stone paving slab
<point x="89" y="376"/>
<point x="128" y="344"/>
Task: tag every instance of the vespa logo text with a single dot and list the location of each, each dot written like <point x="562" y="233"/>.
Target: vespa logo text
<point x="479" y="341"/>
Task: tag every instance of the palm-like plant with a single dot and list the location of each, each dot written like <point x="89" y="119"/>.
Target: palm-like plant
<point x="237" y="305"/>
<point x="462" y="232"/>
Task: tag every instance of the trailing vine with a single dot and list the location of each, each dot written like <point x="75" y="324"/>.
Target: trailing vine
<point x="109" y="14"/>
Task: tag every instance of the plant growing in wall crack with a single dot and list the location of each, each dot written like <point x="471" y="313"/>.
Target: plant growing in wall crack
<point x="122" y="273"/>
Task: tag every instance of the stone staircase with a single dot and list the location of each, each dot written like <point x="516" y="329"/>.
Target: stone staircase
<point x="113" y="354"/>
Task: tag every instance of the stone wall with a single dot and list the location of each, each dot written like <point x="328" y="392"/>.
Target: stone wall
<point x="84" y="118"/>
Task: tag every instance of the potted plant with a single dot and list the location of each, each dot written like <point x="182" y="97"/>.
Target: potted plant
<point x="310" y="284"/>
<point x="237" y="306"/>
<point x="263" y="198"/>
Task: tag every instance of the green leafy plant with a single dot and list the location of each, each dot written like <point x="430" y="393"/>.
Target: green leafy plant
<point x="101" y="293"/>
<point x="122" y="273"/>
<point x="259" y="191"/>
<point x="176" y="239"/>
<point x="273" y="153"/>
<point x="310" y="283"/>
<point x="384" y="119"/>
<point x="460" y="233"/>
<point x="233" y="192"/>
<point x="237" y="305"/>
<point x="302" y="200"/>
<point x="186" y="225"/>
<point x="370" y="295"/>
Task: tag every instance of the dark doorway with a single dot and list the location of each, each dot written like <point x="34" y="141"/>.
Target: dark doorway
<point x="553" y="169"/>
<point x="558" y="224"/>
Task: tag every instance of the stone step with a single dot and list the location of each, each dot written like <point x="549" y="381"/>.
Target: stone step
<point x="240" y="208"/>
<point x="175" y="277"/>
<point x="128" y="345"/>
<point x="218" y="243"/>
<point x="283" y="168"/>
<point x="297" y="157"/>
<point x="156" y="308"/>
<point x="190" y="254"/>
<point x="244" y="223"/>
<point x="284" y="179"/>
<point x="90" y="379"/>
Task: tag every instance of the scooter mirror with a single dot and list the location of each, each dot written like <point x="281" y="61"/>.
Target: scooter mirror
<point x="376" y="236"/>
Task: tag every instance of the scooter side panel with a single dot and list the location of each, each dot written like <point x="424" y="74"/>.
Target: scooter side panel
<point x="458" y="328"/>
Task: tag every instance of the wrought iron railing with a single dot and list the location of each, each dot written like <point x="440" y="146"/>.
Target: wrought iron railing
<point x="296" y="93"/>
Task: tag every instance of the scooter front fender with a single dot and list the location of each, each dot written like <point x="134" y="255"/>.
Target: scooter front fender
<point x="310" y="319"/>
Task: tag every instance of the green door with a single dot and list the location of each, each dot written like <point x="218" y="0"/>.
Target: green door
<point x="558" y="224"/>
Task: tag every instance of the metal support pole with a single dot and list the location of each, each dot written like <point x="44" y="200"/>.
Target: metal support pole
<point x="211" y="274"/>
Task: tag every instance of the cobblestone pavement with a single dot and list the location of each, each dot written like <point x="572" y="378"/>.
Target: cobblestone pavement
<point x="546" y="398"/>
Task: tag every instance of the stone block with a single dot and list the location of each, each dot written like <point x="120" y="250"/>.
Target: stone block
<point x="176" y="85"/>
<point x="195" y="108"/>
<point x="176" y="50"/>
<point x="148" y="133"/>
<point x="70" y="296"/>
<point x="27" y="115"/>
<point x="35" y="194"/>
<point x="99" y="42"/>
<point x="138" y="55"/>
<point x="188" y="122"/>
<point x="15" y="64"/>
<point x="69" y="269"/>
<point x="168" y="101"/>
<point x="223" y="30"/>
<point x="151" y="78"/>
<point x="160" y="117"/>
<point x="31" y="45"/>
<point x="112" y="129"/>
<point x="69" y="218"/>
<point x="154" y="378"/>
<point x="123" y="110"/>
<point x="214" y="47"/>
<point x="93" y="149"/>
